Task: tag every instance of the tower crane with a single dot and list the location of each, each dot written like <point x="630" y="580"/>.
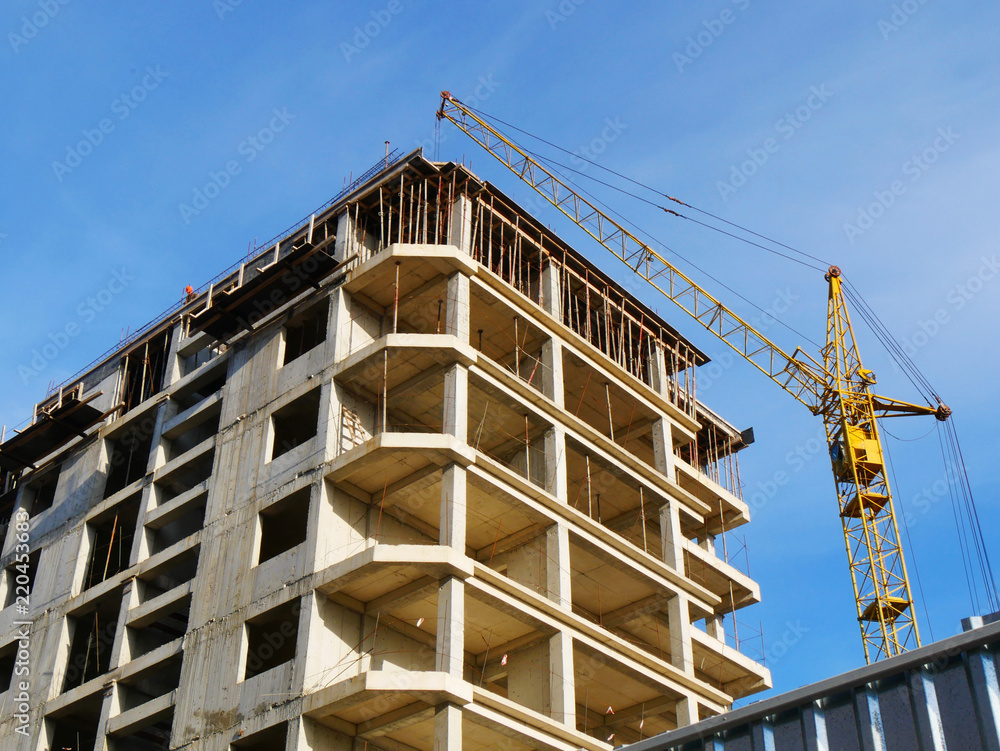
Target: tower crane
<point x="834" y="385"/>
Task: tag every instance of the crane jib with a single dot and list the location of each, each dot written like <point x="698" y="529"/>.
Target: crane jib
<point x="835" y="386"/>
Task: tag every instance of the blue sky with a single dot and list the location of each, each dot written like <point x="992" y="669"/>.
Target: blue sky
<point x="891" y="104"/>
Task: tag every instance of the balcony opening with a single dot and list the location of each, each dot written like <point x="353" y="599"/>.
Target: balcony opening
<point x="76" y="728"/>
<point x="283" y="525"/>
<point x="163" y="627"/>
<point x="92" y="636"/>
<point x="153" y="737"/>
<point x="306" y="332"/>
<point x="111" y="536"/>
<point x="295" y="423"/>
<point x="271" y="638"/>
<point x="8" y="655"/>
<point x="163" y="533"/>
<point x="42" y="493"/>
<point x="184" y="478"/>
<point x="128" y="456"/>
<point x="271" y="739"/>
<point x="151" y="683"/>
<point x="143" y="369"/>
<point x="171" y="574"/>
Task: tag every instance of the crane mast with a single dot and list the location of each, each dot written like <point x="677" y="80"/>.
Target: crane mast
<point x="835" y="386"/>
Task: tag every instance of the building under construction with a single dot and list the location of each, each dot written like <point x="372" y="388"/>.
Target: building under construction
<point x="415" y="475"/>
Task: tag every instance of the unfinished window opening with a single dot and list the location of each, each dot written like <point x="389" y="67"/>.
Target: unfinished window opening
<point x="111" y="537"/>
<point x="128" y="457"/>
<point x="271" y="739"/>
<point x="21" y="578"/>
<point x="184" y="478"/>
<point x="169" y="575"/>
<point x="153" y="737"/>
<point x="283" y="525"/>
<point x="42" y="493"/>
<point x="143" y="370"/>
<point x="149" y="684"/>
<point x="92" y="636"/>
<point x="162" y="627"/>
<point x="271" y="638"/>
<point x="171" y="529"/>
<point x="295" y="423"/>
<point x="306" y="332"/>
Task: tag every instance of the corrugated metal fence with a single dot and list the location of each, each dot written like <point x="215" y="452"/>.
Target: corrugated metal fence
<point x="941" y="696"/>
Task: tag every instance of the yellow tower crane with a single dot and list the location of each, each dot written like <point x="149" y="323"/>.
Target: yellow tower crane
<point x="835" y="386"/>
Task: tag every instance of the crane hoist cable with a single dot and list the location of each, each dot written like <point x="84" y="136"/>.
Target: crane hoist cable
<point x="836" y="386"/>
<point x="822" y="264"/>
<point x="657" y="241"/>
<point x="904" y="362"/>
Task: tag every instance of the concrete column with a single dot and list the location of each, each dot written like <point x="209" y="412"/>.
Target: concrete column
<point x="715" y="628"/>
<point x="448" y="728"/>
<point x="456" y="403"/>
<point x="456" y="381"/>
<point x="453" y="508"/>
<point x="681" y="651"/>
<point x="343" y="245"/>
<point x="457" y="313"/>
<point x="172" y="371"/>
<point x="663" y="449"/>
<point x="707" y="543"/>
<point x="449" y="657"/>
<point x="671" y="539"/>
<point x="562" y="680"/>
<point x="553" y="385"/>
<point x="555" y="463"/>
<point x="658" y="370"/>
<point x="557" y="565"/>
<point x="460" y="227"/>
<point x="687" y="712"/>
<point x="551" y="291"/>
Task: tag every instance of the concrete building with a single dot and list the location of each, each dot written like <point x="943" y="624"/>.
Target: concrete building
<point x="417" y="475"/>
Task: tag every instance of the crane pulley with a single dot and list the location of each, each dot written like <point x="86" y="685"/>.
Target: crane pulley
<point x="834" y="385"/>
